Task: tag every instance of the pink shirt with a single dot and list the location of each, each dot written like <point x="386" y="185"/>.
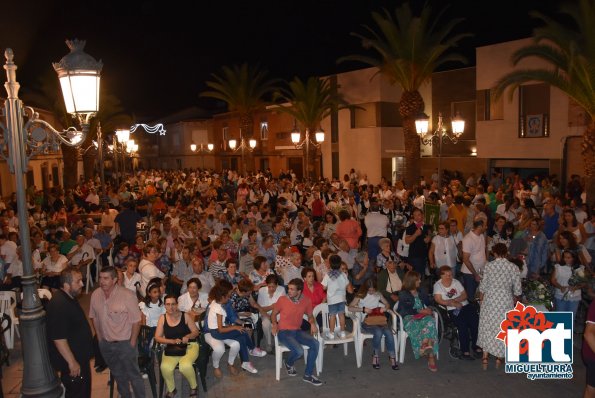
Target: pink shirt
<point x="351" y="231"/>
<point x="290" y="313"/>
<point x="114" y="316"/>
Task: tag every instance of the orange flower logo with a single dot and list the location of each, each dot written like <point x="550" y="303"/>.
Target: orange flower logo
<point x="520" y="318"/>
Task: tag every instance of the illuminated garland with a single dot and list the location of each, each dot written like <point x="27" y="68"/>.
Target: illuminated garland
<point x="149" y="129"/>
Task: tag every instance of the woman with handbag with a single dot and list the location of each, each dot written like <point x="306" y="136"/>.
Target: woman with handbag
<point x="418" y="321"/>
<point x="178" y="332"/>
<point x="368" y="301"/>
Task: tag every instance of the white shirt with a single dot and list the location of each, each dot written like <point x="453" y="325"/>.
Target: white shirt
<point x="87" y="252"/>
<point x="475" y="245"/>
<point x="445" y="250"/>
<point x="185" y="302"/>
<point x="55" y="266"/>
<point x="9" y="251"/>
<point x="264" y="299"/>
<point x="376" y="224"/>
<point x="130" y="283"/>
<point x="148" y="271"/>
<point x="15" y="268"/>
<point x="214" y="310"/>
<point x="206" y="279"/>
<point x="335" y="288"/>
<point x="152" y="312"/>
<point x="450" y="293"/>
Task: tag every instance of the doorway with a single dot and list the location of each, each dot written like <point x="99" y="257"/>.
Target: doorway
<point x="297" y="166"/>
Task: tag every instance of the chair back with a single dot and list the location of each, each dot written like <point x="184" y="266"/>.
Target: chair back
<point x="322" y="309"/>
<point x="44" y="294"/>
<point x="8" y="301"/>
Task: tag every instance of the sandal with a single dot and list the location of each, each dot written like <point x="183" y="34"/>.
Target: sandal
<point x="171" y="394"/>
<point x="393" y="363"/>
<point x="432" y="366"/>
<point x="193" y="392"/>
<point x="375" y="362"/>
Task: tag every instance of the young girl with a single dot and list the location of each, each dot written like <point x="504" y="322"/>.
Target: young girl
<point x="335" y="284"/>
<point x="567" y="297"/>
<point x="152" y="306"/>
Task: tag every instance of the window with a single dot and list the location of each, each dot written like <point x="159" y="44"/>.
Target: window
<point x="264" y="130"/>
<point x="225" y="131"/>
<point x="488" y="108"/>
<point x="534" y="105"/>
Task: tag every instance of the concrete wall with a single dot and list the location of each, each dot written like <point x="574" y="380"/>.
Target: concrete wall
<point x="499" y="138"/>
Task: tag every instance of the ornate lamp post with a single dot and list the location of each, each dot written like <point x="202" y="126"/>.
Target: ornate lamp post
<point x="422" y="124"/>
<point x="233" y="144"/>
<point x="122" y="135"/>
<point x="204" y="149"/>
<point x="296" y="136"/>
<point x="24" y="136"/>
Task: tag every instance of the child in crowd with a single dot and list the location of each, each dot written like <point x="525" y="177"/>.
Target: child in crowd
<point x="335" y="284"/>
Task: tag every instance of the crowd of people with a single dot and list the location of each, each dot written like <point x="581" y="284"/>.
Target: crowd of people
<point x="242" y="259"/>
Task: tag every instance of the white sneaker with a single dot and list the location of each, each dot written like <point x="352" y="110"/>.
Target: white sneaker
<point x="257" y="352"/>
<point x="329" y="335"/>
<point x="342" y="334"/>
<point x="247" y="366"/>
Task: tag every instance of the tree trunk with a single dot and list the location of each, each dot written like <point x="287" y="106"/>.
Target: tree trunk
<point x="70" y="158"/>
<point x="588" y="152"/>
<point x="411" y="105"/>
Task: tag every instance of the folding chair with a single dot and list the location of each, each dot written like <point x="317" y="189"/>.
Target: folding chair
<point x="403" y="334"/>
<point x="8" y="304"/>
<point x="349" y="338"/>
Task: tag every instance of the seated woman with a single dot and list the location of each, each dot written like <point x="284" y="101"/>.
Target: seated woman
<point x="367" y="300"/>
<point x="267" y="297"/>
<point x="450" y="293"/>
<point x="389" y="283"/>
<point x="231" y="273"/>
<point x="177" y="330"/>
<point x="386" y="254"/>
<point x="221" y="329"/>
<point x="193" y="302"/>
<point x="418" y="321"/>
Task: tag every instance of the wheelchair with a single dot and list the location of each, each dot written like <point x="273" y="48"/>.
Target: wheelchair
<point x="448" y="330"/>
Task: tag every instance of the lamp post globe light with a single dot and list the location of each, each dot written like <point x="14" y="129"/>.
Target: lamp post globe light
<point x="422" y="126"/>
<point x="206" y="149"/>
<point x="244" y="146"/>
<point x="24" y="135"/>
<point x="296" y="136"/>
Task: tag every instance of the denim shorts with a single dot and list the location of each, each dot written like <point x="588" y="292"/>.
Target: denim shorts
<point x="338" y="308"/>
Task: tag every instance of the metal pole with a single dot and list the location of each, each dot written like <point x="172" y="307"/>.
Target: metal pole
<point x="115" y="159"/>
<point x="39" y="379"/>
<point x="100" y="150"/>
<point x="244" y="169"/>
<point x="306" y="168"/>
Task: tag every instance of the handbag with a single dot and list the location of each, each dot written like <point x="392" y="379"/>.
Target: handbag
<point x="402" y="247"/>
<point x="175" y="350"/>
<point x="376" y="318"/>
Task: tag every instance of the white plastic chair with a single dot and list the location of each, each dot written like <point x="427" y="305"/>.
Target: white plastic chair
<point x="8" y="304"/>
<point x="279" y="350"/>
<point x="323" y="341"/>
<point x="361" y="336"/>
<point x="403" y="334"/>
<point x="89" y="277"/>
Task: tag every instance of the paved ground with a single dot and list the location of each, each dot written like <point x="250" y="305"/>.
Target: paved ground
<point x="342" y="378"/>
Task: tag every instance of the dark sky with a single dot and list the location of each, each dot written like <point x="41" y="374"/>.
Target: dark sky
<point x="157" y="54"/>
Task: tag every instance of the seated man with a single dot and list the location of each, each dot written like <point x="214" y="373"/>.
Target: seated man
<point x="291" y="309"/>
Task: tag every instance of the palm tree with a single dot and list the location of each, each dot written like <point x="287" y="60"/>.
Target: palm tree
<point x="243" y="88"/>
<point x="309" y="103"/>
<point x="570" y="56"/>
<point x="409" y="49"/>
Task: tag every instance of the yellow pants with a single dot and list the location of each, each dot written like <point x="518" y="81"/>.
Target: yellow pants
<point x="168" y="365"/>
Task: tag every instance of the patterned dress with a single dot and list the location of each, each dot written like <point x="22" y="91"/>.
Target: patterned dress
<point x="420" y="329"/>
<point x="501" y="282"/>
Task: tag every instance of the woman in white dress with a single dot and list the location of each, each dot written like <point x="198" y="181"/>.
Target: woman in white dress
<point x="500" y="284"/>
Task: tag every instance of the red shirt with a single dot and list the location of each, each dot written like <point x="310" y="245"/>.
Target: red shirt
<point x="316" y="295"/>
<point x="290" y="313"/>
<point x="588" y="354"/>
<point x="318" y="208"/>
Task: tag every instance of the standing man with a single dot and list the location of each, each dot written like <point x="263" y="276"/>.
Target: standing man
<point x="291" y="310"/>
<point x="376" y="228"/>
<point x="70" y="333"/>
<point x="125" y="223"/>
<point x="474" y="258"/>
<point x="418" y="237"/>
<point x="116" y="317"/>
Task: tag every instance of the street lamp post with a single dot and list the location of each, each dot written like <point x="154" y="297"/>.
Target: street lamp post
<point x="295" y="139"/>
<point x="233" y="144"/>
<point x="202" y="150"/>
<point x="79" y="76"/>
<point x="422" y="124"/>
<point x="100" y="155"/>
<point x="123" y="136"/>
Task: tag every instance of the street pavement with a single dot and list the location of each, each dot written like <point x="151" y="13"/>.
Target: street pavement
<point x="342" y="378"/>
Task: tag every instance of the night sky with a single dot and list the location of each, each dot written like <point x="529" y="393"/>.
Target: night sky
<point x="157" y="54"/>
